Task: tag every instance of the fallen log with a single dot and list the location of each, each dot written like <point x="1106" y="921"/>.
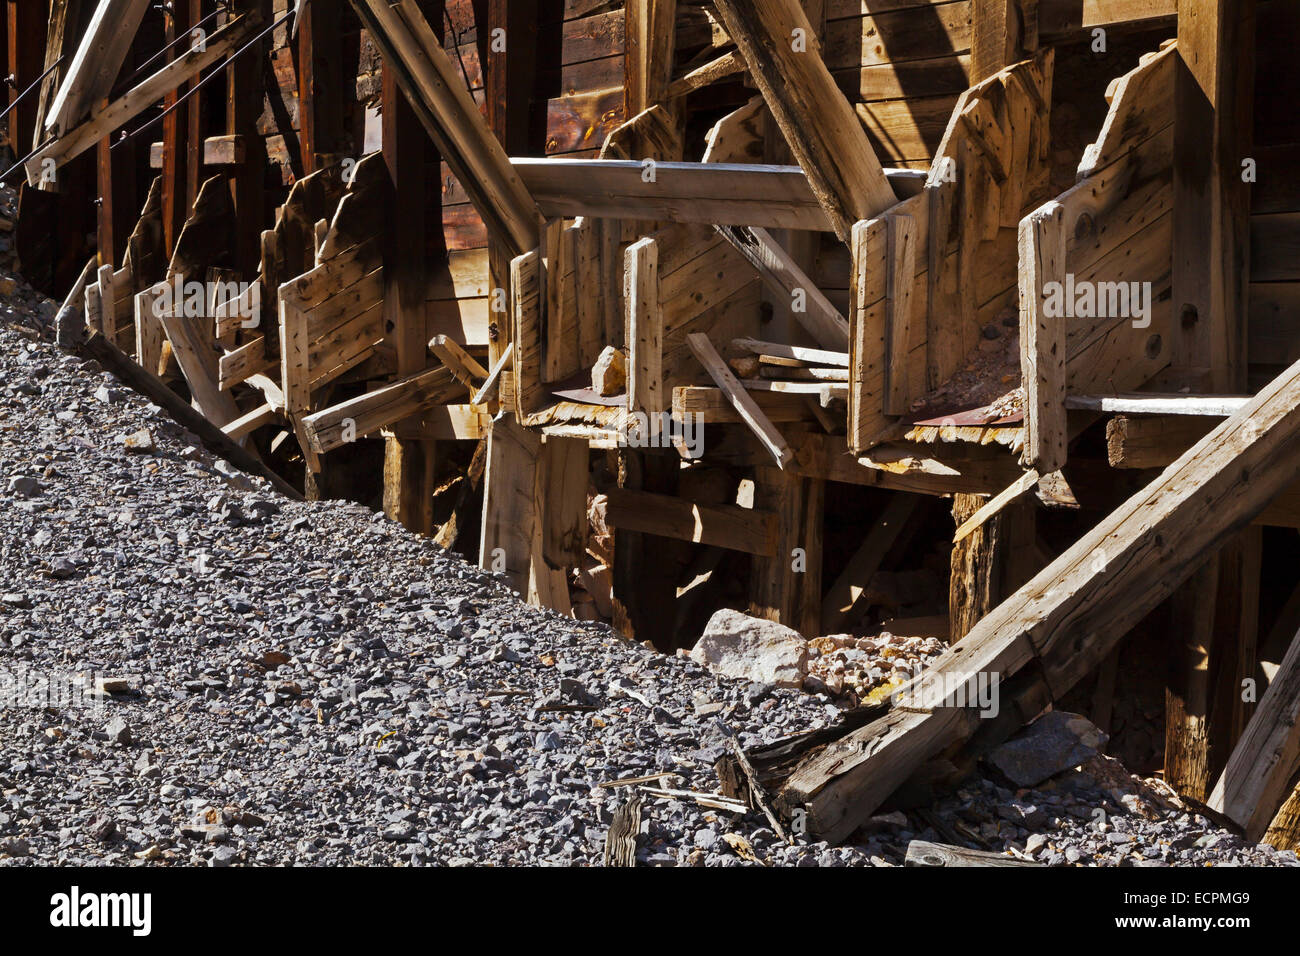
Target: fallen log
<point x="922" y="853"/>
<point x="1071" y="615"/>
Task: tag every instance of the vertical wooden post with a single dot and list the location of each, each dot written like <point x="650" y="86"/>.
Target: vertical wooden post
<point x="26" y="24"/>
<point x="1042" y="342"/>
<point x="408" y="464"/>
<point x="175" y="135"/>
<point x="1187" y="699"/>
<point x="644" y="328"/>
<point x="243" y="105"/>
<point x="990" y="563"/>
<point x="1213" y="91"/>
<point x="995" y="29"/>
<point x="509" y="62"/>
<point x="787" y="586"/>
<point x="320" y="96"/>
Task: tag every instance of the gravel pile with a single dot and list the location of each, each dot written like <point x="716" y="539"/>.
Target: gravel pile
<point x="194" y="670"/>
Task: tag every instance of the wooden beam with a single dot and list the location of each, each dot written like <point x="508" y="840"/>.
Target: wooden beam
<point x="740" y="399"/>
<point x="1071" y="615"/>
<point x="527" y="282"/>
<point x="464" y="366"/>
<point x="786" y="587"/>
<point x="995" y="35"/>
<point x="900" y="263"/>
<point x="785" y="278"/>
<point x="781" y="49"/>
<point x="645" y="328"/>
<point x="1041" y="246"/>
<point x="408" y="464"/>
<point x="1213" y="95"/>
<point x="1188" y="696"/>
<point x="452" y="119"/>
<point x="725" y="526"/>
<point x="368" y="413"/>
<point x="90" y="76"/>
<point x="1258" y="775"/>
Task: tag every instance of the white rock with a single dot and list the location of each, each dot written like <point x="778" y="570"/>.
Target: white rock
<point x="747" y="648"/>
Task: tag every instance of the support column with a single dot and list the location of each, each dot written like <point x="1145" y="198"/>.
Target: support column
<point x="1214" y="87"/>
<point x="787" y="587"/>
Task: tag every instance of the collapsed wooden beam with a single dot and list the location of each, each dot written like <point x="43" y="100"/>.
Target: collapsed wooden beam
<point x="823" y="132"/>
<point x="782" y="275"/>
<point x="740" y="399"/>
<point x="336" y="426"/>
<point x="1258" y="775"/>
<point x="448" y="113"/>
<point x="1073" y="613"/>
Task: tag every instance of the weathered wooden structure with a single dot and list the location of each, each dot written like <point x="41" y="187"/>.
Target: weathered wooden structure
<point x="657" y="307"/>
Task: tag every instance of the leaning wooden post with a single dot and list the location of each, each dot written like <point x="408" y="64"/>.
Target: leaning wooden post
<point x="823" y="131"/>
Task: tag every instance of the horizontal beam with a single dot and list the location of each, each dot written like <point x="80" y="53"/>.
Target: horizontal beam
<point x="724" y="194"/>
<point x="726" y="526"/>
<point x="1147" y="403"/>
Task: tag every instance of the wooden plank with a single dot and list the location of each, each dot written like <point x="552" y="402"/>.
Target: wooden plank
<point x="237" y="366"/>
<point x="645" y="328"/>
<point x="1072" y="613"/>
<point x="562" y="501"/>
<point x="714" y="407"/>
<point x="509" y="516"/>
<point x="738" y="194"/>
<point x="335" y="426"/>
<point x="89" y="78"/>
<point x="900" y="391"/>
<point x="1148" y="403"/>
<point x="1042" y="339"/>
<point x="820" y="126"/>
<point x="251" y="421"/>
<point x="1062" y="20"/>
<point x="779" y="271"/>
<point x="926" y="854"/>
<point x="492" y="383"/>
<point x="198" y="361"/>
<point x="149" y="333"/>
<point x="464" y="366"/>
<point x="724" y="526"/>
<point x="795" y="353"/>
<point x="995" y="504"/>
<point x="1258" y="776"/>
<point x="527" y="283"/>
<point x="740" y="399"/>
